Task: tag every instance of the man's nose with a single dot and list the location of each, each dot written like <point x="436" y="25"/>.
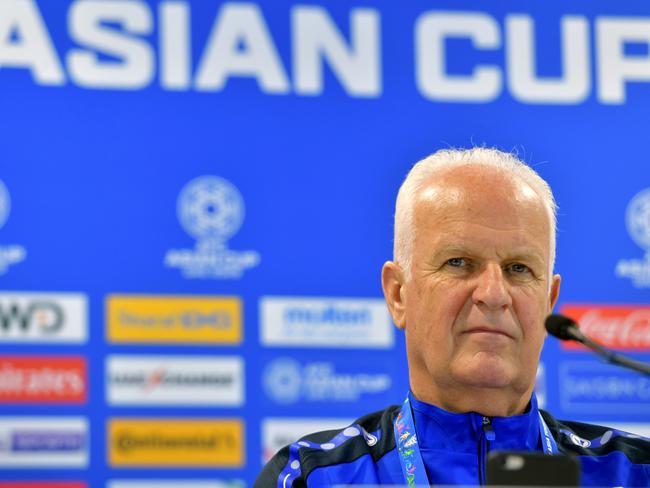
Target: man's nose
<point x="492" y="288"/>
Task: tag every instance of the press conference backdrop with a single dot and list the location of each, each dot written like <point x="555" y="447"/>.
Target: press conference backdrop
<point x="196" y="200"/>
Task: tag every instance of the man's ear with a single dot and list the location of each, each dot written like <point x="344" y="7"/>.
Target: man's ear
<point x="392" y="282"/>
<point x="555" y="291"/>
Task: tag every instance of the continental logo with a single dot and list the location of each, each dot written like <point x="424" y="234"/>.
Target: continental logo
<point x="173" y="443"/>
<point x="174" y="319"/>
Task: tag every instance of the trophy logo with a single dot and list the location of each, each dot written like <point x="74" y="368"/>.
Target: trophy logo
<point x="10" y="254"/>
<point x="211" y="210"/>
<point x="637" y="221"/>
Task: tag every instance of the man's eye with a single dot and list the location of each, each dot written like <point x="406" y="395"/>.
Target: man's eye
<point x="519" y="268"/>
<point x="456" y="262"/>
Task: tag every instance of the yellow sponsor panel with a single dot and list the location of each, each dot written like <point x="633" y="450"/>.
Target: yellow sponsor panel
<point x="173" y="443"/>
<point x="174" y="319"/>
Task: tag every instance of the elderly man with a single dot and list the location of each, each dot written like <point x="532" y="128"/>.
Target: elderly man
<point x="470" y="285"/>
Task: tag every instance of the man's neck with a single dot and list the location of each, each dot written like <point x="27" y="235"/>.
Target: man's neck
<point x="491" y="402"/>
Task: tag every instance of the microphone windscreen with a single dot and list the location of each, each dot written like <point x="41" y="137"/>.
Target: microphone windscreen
<point x="560" y="326"/>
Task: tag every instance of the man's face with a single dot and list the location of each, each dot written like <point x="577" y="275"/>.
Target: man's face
<point x="480" y="287"/>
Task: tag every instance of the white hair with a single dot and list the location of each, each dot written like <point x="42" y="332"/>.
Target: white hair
<point x="422" y="172"/>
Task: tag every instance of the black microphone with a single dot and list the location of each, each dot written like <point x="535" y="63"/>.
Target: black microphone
<point x="566" y="329"/>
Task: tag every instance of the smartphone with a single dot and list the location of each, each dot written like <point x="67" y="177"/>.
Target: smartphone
<point x="513" y="468"/>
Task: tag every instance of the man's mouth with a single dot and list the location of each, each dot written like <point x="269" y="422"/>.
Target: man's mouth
<point x="488" y="330"/>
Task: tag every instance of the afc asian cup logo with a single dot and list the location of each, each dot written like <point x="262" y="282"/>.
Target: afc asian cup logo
<point x="10" y="254"/>
<point x="210" y="208"/>
<point x="637" y="219"/>
<point x="283" y="380"/>
<point x="5" y="204"/>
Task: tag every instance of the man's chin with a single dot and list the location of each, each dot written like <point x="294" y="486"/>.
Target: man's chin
<point x="489" y="372"/>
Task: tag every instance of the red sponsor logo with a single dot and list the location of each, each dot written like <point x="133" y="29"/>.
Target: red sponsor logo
<point x="40" y="379"/>
<point x="42" y="484"/>
<point x="625" y="327"/>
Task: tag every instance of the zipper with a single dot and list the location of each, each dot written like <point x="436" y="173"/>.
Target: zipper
<point x="487" y="436"/>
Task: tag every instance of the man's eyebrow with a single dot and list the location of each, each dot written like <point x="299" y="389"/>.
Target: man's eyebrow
<point x="527" y="256"/>
<point x="453" y="250"/>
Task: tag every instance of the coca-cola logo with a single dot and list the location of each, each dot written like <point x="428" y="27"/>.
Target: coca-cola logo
<point x="617" y="327"/>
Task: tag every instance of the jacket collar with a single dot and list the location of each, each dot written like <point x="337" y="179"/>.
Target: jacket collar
<point x="439" y="429"/>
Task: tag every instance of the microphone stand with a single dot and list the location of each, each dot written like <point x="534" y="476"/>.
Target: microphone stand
<point x="610" y="357"/>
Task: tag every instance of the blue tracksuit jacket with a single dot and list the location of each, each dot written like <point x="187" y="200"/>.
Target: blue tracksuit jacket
<point x="454" y="450"/>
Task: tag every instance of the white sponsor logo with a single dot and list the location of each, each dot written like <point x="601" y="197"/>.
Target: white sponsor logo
<point x="280" y="432"/>
<point x="43" y="442"/>
<point x="579" y="441"/>
<point x="10" y="254"/>
<point x="174" y="380"/>
<point x="174" y="484"/>
<point x="627" y="330"/>
<point x="211" y="210"/>
<point x="637" y="220"/>
<point x="43" y="317"/>
<point x="318" y="322"/>
<point x="287" y="381"/>
<point x="599" y="388"/>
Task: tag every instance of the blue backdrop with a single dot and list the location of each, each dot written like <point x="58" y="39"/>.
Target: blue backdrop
<point x="252" y="152"/>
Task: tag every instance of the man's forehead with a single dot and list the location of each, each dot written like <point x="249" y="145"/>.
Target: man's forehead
<point x="454" y="182"/>
<point x="466" y="200"/>
<point x="478" y="189"/>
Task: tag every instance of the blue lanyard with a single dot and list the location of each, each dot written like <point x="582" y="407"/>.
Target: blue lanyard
<point x="410" y="457"/>
<point x="548" y="443"/>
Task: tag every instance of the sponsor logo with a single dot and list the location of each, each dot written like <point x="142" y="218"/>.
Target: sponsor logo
<point x="46" y="441"/>
<point x="371" y="440"/>
<point x="43" y="317"/>
<point x="586" y="386"/>
<point x="40" y="379"/>
<point x="280" y="432"/>
<point x="174" y="484"/>
<point x="321" y="322"/>
<point x="164" y="319"/>
<point x="211" y="210"/>
<point x="622" y="327"/>
<point x="54" y="442"/>
<point x="12" y="254"/>
<point x="637" y="221"/>
<point x="175" y="380"/>
<point x="288" y="381"/>
<point x="173" y="443"/>
<point x="579" y="441"/>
